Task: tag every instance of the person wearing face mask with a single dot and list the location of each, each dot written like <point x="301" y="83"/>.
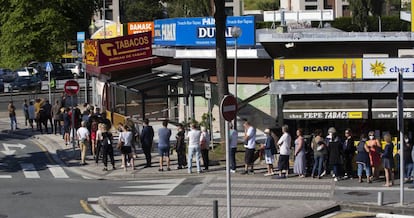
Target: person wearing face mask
<point x="408" y="161"/>
<point x="374" y="154"/>
<point x="335" y="154"/>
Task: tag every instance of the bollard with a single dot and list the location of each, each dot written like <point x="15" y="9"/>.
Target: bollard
<point x="380" y="198"/>
<point x="215" y="209"/>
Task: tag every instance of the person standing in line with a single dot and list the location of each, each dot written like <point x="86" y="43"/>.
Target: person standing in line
<point x="205" y="147"/>
<point x="66" y="126"/>
<point x="408" y="161"/>
<point x="250" y="145"/>
<point x="38" y="104"/>
<point x="388" y="161"/>
<point x="180" y="147"/>
<point x="335" y="154"/>
<point x="374" y="154"/>
<point x="194" y="136"/>
<point x="12" y="115"/>
<point x="101" y="127"/>
<point x="32" y="114"/>
<point x="349" y="153"/>
<point x="269" y="148"/>
<point x="25" y="112"/>
<point x="233" y="136"/>
<point x="318" y="147"/>
<point x="164" y="147"/>
<point x="147" y="137"/>
<point x="284" y="150"/>
<point x="135" y="132"/>
<point x="362" y="159"/>
<point x="126" y="150"/>
<point x="83" y="138"/>
<point x="48" y="112"/>
<point x="299" y="166"/>
<point x="105" y="143"/>
<point x="94" y="128"/>
<point x="56" y="117"/>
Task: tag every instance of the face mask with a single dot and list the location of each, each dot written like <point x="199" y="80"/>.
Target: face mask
<point x="406" y="140"/>
<point x="371" y="137"/>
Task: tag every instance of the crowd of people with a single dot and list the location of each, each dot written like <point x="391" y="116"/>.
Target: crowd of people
<point x="334" y="154"/>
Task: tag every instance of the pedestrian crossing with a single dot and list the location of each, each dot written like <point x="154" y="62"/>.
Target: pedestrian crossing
<point x="30" y="171"/>
<point x="159" y="187"/>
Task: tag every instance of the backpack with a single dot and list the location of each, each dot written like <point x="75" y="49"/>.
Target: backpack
<point x="106" y="139"/>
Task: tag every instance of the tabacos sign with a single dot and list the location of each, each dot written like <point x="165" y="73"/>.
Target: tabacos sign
<point x="387" y="68"/>
<point x="201" y="31"/>
<point x="302" y="69"/>
<point x="324" y="115"/>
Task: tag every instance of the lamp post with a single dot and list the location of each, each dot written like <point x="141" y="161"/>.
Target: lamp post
<point x="235" y="33"/>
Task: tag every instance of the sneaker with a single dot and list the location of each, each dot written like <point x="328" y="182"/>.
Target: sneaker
<point x="268" y="174"/>
<point x="232" y="171"/>
<point x="105" y="169"/>
<point x="251" y="172"/>
<point x="323" y="173"/>
<point x="336" y="179"/>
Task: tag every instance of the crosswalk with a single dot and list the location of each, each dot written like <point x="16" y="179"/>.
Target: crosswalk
<point x="159" y="187"/>
<point x="30" y="171"/>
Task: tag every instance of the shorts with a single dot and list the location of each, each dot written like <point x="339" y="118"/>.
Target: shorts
<point x="270" y="159"/>
<point x="126" y="150"/>
<point x="249" y="156"/>
<point x="67" y="129"/>
<point x="164" y="151"/>
<point x="283" y="162"/>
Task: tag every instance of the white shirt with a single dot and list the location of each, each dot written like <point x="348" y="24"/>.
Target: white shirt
<point x="126" y="137"/>
<point x="233" y="138"/>
<point x="284" y="142"/>
<point x="251" y="142"/>
<point x="194" y="138"/>
<point x="83" y="133"/>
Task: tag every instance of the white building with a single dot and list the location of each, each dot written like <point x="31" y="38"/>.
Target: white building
<point x="340" y="7"/>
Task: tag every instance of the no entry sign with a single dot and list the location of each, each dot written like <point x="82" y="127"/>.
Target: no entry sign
<point x="228" y="107"/>
<point x="71" y="87"/>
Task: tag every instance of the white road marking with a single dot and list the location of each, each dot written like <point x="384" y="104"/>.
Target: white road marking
<point x="151" y="187"/>
<point x="5" y="176"/>
<point x="57" y="171"/>
<point x="29" y="170"/>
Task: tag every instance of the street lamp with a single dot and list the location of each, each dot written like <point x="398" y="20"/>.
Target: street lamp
<point x="235" y="33"/>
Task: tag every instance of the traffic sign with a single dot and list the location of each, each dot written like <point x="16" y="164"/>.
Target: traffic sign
<point x="207" y="90"/>
<point x="71" y="87"/>
<point x="48" y="67"/>
<point x="228" y="107"/>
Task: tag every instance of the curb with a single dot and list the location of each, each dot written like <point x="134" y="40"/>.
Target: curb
<point x="376" y="208"/>
<point x="325" y="212"/>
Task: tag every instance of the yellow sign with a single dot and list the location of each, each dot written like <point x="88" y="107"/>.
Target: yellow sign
<point x="303" y="69"/>
<point x="355" y="115"/>
<point x="111" y="30"/>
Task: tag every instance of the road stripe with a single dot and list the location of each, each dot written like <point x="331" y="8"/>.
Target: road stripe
<point x="5" y="176"/>
<point x="29" y="170"/>
<point x="57" y="171"/>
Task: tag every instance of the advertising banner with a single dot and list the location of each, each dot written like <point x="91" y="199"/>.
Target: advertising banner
<point x="111" y="30"/>
<point x="387" y="68"/>
<point x="127" y="48"/>
<point x="140" y="27"/>
<point x="91" y="52"/>
<point x="310" y="69"/>
<point x="201" y="31"/>
<point x="324" y="115"/>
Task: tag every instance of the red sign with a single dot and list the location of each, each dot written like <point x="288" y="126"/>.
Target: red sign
<point x="71" y="87"/>
<point x="228" y="107"/>
<point x="123" y="49"/>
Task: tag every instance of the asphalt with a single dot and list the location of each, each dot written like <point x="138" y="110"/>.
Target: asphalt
<point x="194" y="194"/>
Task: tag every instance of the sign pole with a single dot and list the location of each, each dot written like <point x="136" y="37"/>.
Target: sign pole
<point x="400" y="126"/>
<point x="228" y="178"/>
<point x="50" y="95"/>
<point x="73" y="125"/>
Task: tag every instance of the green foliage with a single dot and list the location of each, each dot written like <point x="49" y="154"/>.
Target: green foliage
<point x="205" y="120"/>
<point x="37" y="29"/>
<point x="188" y="8"/>
<point x="389" y="23"/>
<point x="265" y="5"/>
<point x="141" y="10"/>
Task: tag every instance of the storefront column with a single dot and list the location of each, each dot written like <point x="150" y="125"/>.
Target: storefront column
<point x="94" y="94"/>
<point x="278" y="109"/>
<point x="143" y="105"/>
<point x="125" y="104"/>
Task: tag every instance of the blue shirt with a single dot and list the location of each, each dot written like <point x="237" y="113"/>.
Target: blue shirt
<point x="164" y="135"/>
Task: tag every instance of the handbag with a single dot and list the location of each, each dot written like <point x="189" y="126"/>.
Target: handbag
<point x="120" y="145"/>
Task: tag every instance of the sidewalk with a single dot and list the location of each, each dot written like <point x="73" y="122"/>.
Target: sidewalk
<point x="254" y="195"/>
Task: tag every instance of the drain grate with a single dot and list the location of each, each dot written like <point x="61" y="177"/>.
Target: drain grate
<point x="356" y="193"/>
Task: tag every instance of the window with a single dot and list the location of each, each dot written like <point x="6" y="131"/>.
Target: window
<point x="229" y="11"/>
<point x="311" y="7"/>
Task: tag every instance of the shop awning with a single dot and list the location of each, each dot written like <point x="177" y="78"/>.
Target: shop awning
<point x="158" y="77"/>
<point x="387" y="109"/>
<point x="325" y="109"/>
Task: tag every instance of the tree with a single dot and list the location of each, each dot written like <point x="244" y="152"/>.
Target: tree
<point x="221" y="56"/>
<point x="188" y="8"/>
<point x="37" y="29"/>
<point x="141" y="10"/>
<point x="360" y="9"/>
